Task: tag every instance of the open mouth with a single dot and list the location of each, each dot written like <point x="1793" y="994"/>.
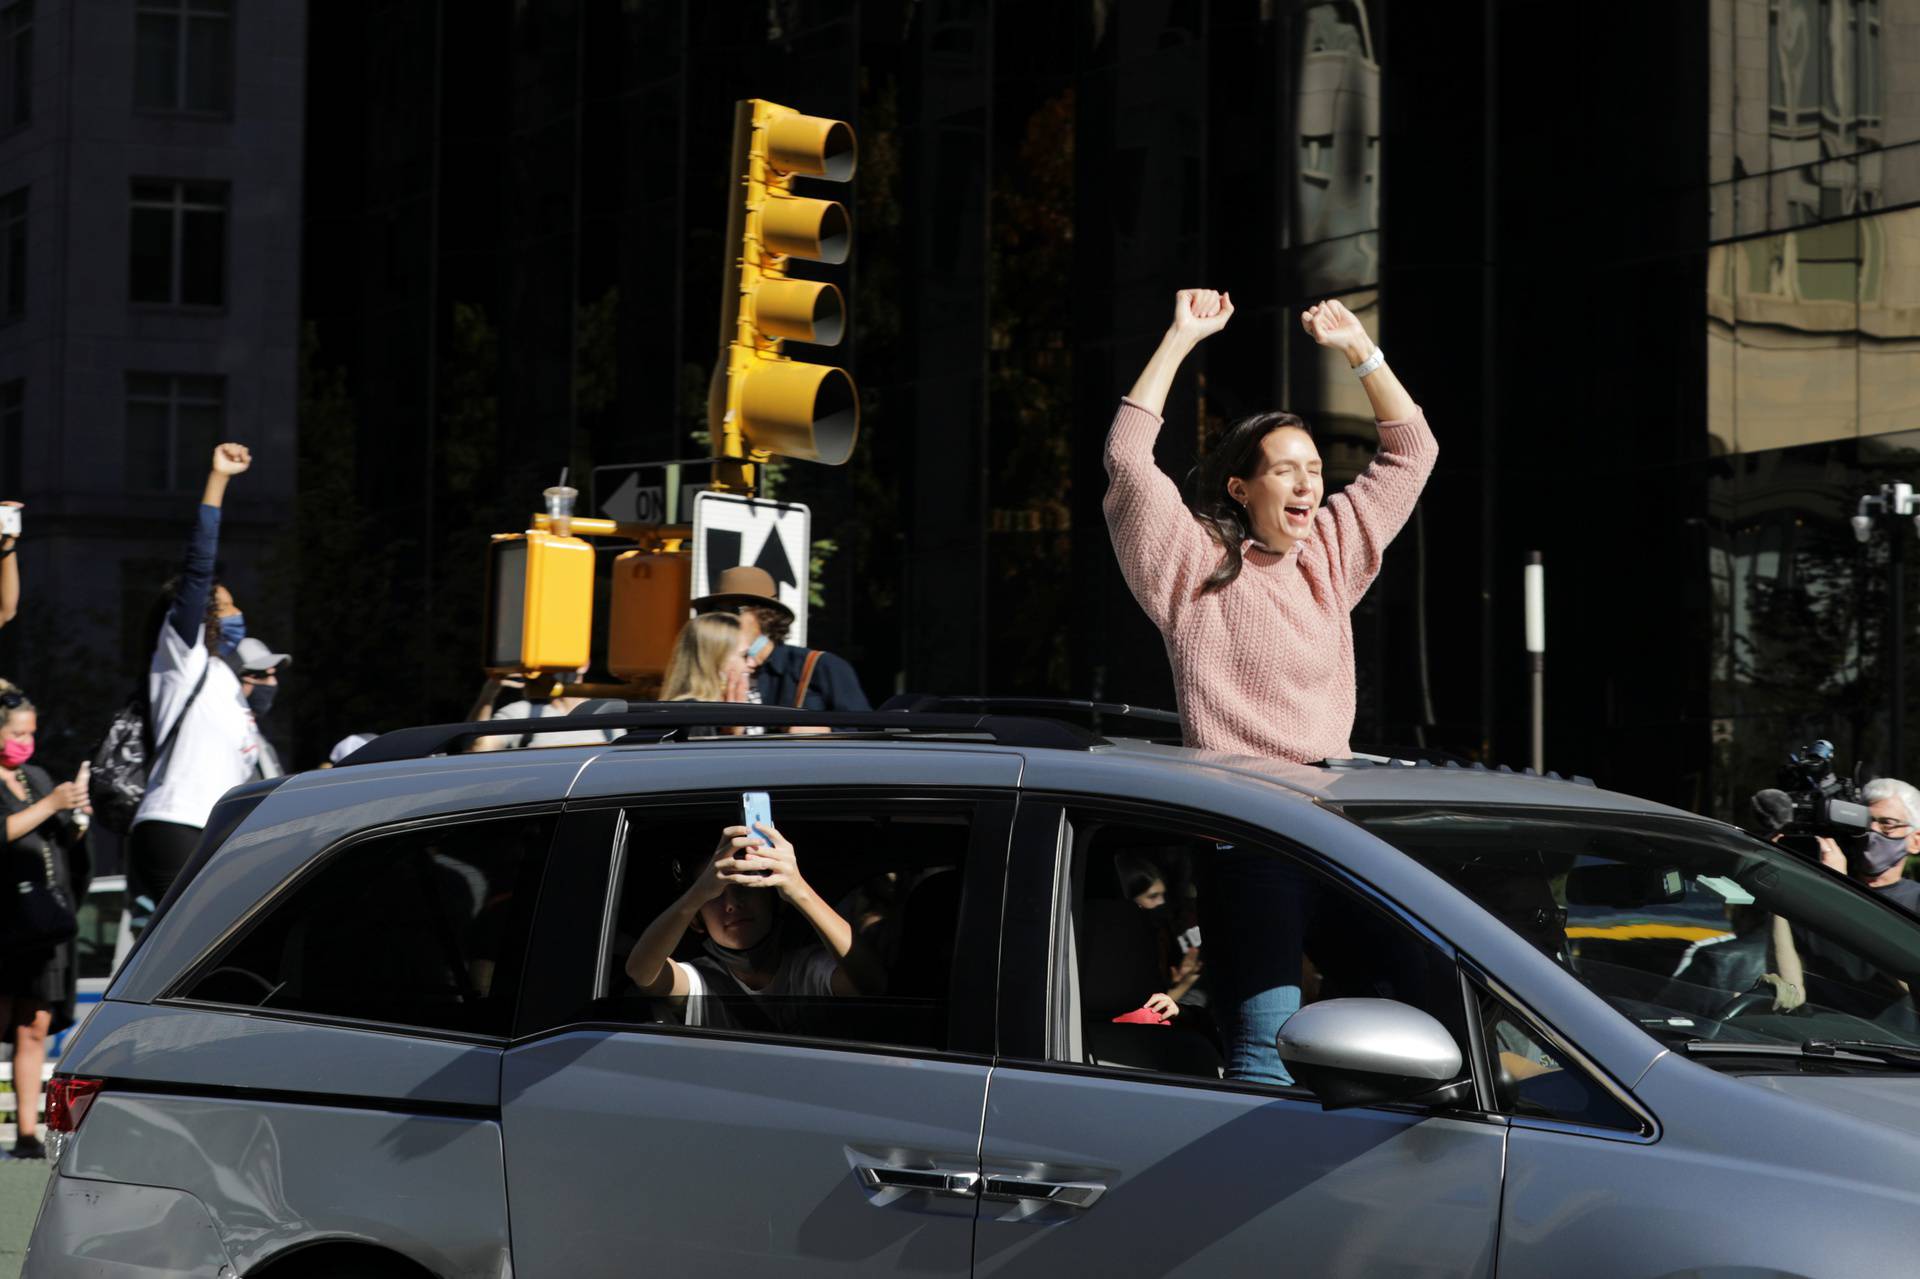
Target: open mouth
<point x="1299" y="517"/>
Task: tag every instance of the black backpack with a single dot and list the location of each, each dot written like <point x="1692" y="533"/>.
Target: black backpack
<point x="126" y="758"/>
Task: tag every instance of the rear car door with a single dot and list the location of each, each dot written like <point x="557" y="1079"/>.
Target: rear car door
<point x="789" y="1136"/>
<point x="1114" y="1145"/>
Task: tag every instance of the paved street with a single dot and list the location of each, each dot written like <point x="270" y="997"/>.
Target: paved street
<point x="21" y="1183"/>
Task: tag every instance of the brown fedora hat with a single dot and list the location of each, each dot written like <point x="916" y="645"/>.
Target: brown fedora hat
<point x="740" y="586"/>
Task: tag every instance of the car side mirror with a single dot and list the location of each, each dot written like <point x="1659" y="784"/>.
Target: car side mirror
<point x="1364" y="1052"/>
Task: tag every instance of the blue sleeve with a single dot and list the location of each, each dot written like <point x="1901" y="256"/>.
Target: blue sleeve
<point x="843" y="691"/>
<point x="189" y="611"/>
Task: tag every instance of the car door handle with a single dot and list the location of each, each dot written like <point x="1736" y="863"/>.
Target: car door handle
<point x="959" y="1185"/>
<point x="1067" y="1194"/>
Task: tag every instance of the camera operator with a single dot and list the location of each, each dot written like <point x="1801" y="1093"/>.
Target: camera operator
<point x="1878" y="863"/>
<point x="1881" y="866"/>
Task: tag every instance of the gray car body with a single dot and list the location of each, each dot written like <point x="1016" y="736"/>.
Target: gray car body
<point x="235" y="1139"/>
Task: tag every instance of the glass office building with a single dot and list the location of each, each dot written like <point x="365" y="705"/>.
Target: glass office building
<point x="1813" y="356"/>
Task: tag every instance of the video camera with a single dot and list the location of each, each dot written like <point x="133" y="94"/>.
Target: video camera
<point x="1811" y="800"/>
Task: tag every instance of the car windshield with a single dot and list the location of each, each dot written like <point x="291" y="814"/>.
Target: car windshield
<point x="1691" y="929"/>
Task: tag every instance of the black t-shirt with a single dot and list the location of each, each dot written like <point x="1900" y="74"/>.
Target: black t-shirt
<point x="1903" y="892"/>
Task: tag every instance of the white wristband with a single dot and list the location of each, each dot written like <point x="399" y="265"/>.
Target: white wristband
<point x="1371" y="363"/>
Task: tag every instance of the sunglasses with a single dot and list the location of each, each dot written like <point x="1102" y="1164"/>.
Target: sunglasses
<point x="12" y="700"/>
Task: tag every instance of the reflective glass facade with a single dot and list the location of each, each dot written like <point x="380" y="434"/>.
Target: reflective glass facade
<point x="1813" y="357"/>
<point x="514" y="251"/>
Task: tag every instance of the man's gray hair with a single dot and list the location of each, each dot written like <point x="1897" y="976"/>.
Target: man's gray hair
<point x="1891" y="788"/>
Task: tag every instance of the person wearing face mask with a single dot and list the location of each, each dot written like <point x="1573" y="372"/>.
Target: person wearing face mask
<point x="45" y="845"/>
<point x="204" y="735"/>
<point x="1878" y="863"/>
<point x="1252" y="587"/>
<point x="260" y="669"/>
<point x="783" y="674"/>
<point x="746" y="974"/>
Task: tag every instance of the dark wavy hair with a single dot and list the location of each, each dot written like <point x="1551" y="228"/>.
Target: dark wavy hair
<point x="163" y="605"/>
<point x="1236" y="453"/>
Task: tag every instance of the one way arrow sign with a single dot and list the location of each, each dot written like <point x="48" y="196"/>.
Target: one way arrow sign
<point x="776" y="536"/>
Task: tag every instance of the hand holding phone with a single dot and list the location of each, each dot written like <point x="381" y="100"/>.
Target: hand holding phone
<point x="9" y="519"/>
<point x="756" y="810"/>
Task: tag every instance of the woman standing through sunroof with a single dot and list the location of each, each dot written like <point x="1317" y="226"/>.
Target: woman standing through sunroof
<point x="1253" y="585"/>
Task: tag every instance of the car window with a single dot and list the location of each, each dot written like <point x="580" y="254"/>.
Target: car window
<point x="1187" y="952"/>
<point x="854" y="938"/>
<point x="1533" y="1078"/>
<point x="98" y="931"/>
<point x="424" y="928"/>
<point x="1692" y="930"/>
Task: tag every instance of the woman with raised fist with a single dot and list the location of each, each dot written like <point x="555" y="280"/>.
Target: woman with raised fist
<point x="205" y="741"/>
<point x="1253" y="585"/>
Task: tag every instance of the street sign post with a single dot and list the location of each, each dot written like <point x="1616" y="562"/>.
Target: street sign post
<point x="730" y="530"/>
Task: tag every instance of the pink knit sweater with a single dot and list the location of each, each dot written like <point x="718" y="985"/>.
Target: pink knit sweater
<point x="1264" y="665"/>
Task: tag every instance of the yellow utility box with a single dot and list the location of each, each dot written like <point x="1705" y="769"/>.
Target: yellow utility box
<point x="651" y="593"/>
<point x="539" y="603"/>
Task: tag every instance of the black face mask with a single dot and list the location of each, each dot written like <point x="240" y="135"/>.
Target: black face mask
<point x="260" y="699"/>
<point x="1161" y="914"/>
<point x="761" y="957"/>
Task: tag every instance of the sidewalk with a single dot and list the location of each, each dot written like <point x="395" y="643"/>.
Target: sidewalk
<point x="22" y="1181"/>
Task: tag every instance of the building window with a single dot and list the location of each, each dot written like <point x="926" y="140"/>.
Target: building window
<point x="183" y="56"/>
<point x="16" y="64"/>
<point x="173" y="422"/>
<point x="179" y="243"/>
<point x="13" y="255"/>
<point x="13" y="429"/>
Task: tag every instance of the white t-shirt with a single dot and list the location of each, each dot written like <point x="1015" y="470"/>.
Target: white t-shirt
<point x="218" y="745"/>
<point x="524" y="710"/>
<point x="806" y="973"/>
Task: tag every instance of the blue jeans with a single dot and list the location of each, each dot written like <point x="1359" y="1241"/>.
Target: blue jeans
<point x="1252" y="923"/>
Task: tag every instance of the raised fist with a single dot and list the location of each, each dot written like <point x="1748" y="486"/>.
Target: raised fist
<point x="1330" y="324"/>
<point x="231" y="459"/>
<point x="1200" y="313"/>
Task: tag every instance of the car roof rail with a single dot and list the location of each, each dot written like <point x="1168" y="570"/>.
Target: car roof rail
<point x="1026" y="706"/>
<point x="665" y="721"/>
<point x="1455" y="765"/>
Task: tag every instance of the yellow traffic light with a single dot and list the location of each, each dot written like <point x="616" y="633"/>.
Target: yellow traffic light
<point x="651" y="591"/>
<point x="761" y="402"/>
<point x="539" y="603"/>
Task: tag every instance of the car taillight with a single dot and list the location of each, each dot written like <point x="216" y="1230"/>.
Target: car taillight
<point x="68" y="1097"/>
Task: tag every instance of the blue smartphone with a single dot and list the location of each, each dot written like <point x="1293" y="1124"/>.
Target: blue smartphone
<point x="756" y="810"/>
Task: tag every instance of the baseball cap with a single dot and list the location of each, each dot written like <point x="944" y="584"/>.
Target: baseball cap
<point x="256" y="656"/>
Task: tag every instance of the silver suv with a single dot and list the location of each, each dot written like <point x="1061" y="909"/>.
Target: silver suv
<point x="1146" y="1011"/>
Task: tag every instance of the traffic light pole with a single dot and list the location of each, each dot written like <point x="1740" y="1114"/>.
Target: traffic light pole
<point x="733" y="470"/>
<point x="761" y="403"/>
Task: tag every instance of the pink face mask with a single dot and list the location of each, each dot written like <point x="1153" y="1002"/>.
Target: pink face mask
<point x="17" y="751"/>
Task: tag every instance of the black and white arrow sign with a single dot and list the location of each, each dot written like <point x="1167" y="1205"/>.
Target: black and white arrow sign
<point x="775" y="536"/>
